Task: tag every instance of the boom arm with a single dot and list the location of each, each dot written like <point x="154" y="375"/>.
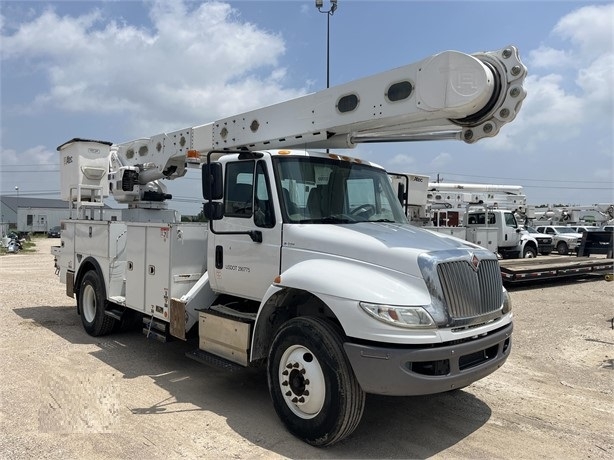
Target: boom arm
<point x="450" y="95"/>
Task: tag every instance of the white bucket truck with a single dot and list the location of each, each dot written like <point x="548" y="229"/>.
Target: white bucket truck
<point x="307" y="266"/>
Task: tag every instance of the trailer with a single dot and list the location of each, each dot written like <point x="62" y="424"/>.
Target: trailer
<point x="586" y="262"/>
<point x="553" y="267"/>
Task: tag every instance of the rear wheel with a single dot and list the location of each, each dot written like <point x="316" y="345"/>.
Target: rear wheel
<point x="92" y="302"/>
<point x="562" y="248"/>
<point x="314" y="390"/>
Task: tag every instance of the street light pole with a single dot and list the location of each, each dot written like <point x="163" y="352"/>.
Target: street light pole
<point x="329" y="13"/>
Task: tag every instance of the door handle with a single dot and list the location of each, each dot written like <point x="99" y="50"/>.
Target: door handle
<point x="219" y="257"/>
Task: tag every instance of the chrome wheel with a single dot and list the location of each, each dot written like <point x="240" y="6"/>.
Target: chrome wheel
<point x="302" y="382"/>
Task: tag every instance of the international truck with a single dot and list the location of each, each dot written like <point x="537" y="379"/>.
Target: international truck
<point x="307" y="266"/>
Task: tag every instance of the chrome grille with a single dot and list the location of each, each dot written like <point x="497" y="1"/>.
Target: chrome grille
<point x="468" y="292"/>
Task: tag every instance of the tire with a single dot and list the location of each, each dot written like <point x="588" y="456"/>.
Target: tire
<point x="562" y="248"/>
<point x="529" y="252"/>
<point x="92" y="302"/>
<point x="312" y="385"/>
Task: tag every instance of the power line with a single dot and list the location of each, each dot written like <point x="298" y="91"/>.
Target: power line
<point x="29" y="171"/>
<point x="520" y="179"/>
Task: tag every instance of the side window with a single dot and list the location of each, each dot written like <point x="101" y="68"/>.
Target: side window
<point x="510" y="220"/>
<point x="238" y="195"/>
<point x="264" y="215"/>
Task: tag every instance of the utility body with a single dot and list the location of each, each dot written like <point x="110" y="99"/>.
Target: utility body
<point x="307" y="265"/>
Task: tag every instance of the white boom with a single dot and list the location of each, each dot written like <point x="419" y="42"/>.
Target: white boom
<point x="450" y="95"/>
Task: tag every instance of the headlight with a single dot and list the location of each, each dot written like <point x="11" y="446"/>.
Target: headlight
<point x="507" y="302"/>
<point x="409" y="317"/>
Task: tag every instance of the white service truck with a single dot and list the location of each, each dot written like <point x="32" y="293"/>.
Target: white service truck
<point x="479" y="213"/>
<point x="307" y="265"/>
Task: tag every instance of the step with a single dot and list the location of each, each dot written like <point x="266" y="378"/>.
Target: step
<point x="156" y="324"/>
<point x="152" y="334"/>
<point x="212" y="360"/>
<point x="114" y="313"/>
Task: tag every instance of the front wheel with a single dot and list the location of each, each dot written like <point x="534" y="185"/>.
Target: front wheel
<point x="529" y="252"/>
<point x="92" y="302"/>
<point x="312" y="385"/>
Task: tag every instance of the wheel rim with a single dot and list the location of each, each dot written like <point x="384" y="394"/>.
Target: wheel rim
<point x="529" y="255"/>
<point x="302" y="382"/>
<point x="89" y="303"/>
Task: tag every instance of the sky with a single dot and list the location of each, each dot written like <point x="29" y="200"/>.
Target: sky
<point x="121" y="70"/>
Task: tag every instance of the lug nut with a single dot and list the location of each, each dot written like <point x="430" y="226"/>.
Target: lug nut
<point x="487" y="128"/>
<point x="516" y="70"/>
<point x="514" y="92"/>
<point x="504" y="113"/>
<point x="507" y="53"/>
<point x="468" y="135"/>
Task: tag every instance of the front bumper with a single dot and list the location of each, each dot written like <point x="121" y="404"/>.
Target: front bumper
<point x="545" y="248"/>
<point x="406" y="372"/>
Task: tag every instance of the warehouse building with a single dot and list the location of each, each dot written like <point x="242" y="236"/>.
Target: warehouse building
<point x="38" y="215"/>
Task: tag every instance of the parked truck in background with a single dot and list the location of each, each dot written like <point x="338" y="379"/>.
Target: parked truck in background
<point x="480" y="213"/>
<point x="565" y="239"/>
<point x="307" y="265"/>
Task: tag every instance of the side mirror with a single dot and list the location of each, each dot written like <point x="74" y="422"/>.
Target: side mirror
<point x="212" y="183"/>
<point x="401" y="195"/>
<point x="213" y="210"/>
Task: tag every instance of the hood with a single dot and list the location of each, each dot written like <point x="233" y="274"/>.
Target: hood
<point x="395" y="246"/>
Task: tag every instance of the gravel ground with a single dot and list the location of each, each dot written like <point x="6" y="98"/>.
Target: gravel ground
<point x="66" y="395"/>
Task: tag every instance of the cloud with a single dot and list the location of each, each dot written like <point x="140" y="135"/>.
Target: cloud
<point x="402" y="159"/>
<point x="38" y="155"/>
<point x="589" y="29"/>
<point x="195" y="63"/>
<point x="568" y="91"/>
<point x="441" y="160"/>
<point x="545" y="57"/>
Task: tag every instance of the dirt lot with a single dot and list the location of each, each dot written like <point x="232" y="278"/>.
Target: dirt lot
<point x="65" y="395"/>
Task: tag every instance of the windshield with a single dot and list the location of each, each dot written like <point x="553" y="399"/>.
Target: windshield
<point x="565" y="230"/>
<point x="325" y="190"/>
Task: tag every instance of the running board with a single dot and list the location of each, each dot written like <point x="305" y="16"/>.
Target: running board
<point x="212" y="360"/>
<point x="114" y="313"/>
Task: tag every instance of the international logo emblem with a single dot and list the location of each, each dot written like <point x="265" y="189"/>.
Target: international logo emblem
<point x="475" y="262"/>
